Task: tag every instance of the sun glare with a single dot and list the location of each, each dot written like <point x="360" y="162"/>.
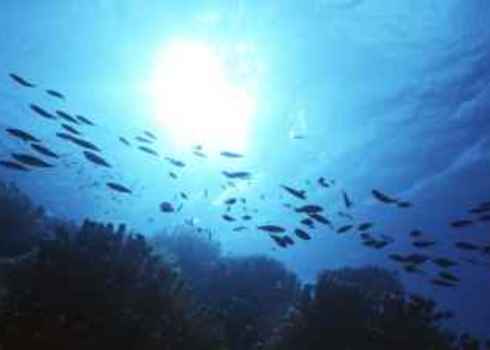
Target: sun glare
<point x="195" y="102"/>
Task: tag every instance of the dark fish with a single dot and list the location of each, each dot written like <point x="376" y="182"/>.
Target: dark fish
<point x="230" y="201"/>
<point x="484" y="218"/>
<point x="288" y="240"/>
<point x="415" y="233"/>
<point x="404" y="204"/>
<point x="71" y="129"/>
<point x="398" y="258"/>
<point x="321" y="219"/>
<point x="417" y="258"/>
<point x="42" y="112"/>
<point x="413" y="269"/>
<point x="239" y="228"/>
<point x="387" y="238"/>
<point x="301" y="194"/>
<point x="231" y="154"/>
<point x="302" y="234"/>
<point x="30" y="160"/>
<point x="148" y="150"/>
<point x="55" y="93"/>
<point x="167" y="207"/>
<point x="442" y="283"/>
<point x="365" y="226"/>
<point x="123" y="140"/>
<point x="142" y="139"/>
<point x="118" y="187"/>
<point x="423" y="244"/>
<point x="308" y="222"/>
<point x="246" y="217"/>
<point x="366" y="236"/>
<point x="227" y="217"/>
<point x="344" y="228"/>
<point x="78" y="141"/>
<point x="310" y="209"/>
<point x="23" y="135"/>
<point x="466" y="246"/>
<point x="84" y="120"/>
<point x="200" y="154"/>
<point x="172" y="175"/>
<point x="183" y="196"/>
<point x="279" y="241"/>
<point x="479" y="210"/>
<point x="242" y="175"/>
<point x="374" y="243"/>
<point x="448" y="276"/>
<point x="13" y="165"/>
<point x="272" y="228"/>
<point x="67" y="117"/>
<point x="179" y="208"/>
<point x="44" y="151"/>
<point x="382" y="197"/>
<point x="345" y="215"/>
<point x="461" y="223"/>
<point x="96" y="159"/>
<point x="19" y="80"/>
<point x="444" y="262"/>
<point x="175" y="162"/>
<point x="322" y="182"/>
<point x="150" y="134"/>
<point x="347" y="200"/>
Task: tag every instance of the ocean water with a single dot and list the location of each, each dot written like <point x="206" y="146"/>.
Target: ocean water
<point x="392" y="96"/>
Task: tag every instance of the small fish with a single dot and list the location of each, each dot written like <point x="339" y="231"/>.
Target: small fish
<point x="44" y="150"/>
<point x="55" y="93"/>
<point x="308" y="222"/>
<point x="78" y="141"/>
<point x="398" y="258"/>
<point x="175" y="162"/>
<point x="179" y="208"/>
<point x="448" y="276"/>
<point x="30" y="160"/>
<point x="42" y="112"/>
<point x="148" y="150"/>
<point x="444" y="262"/>
<point x="118" y="187"/>
<point x="344" y="229"/>
<point x="167" y="207"/>
<point x="417" y="258"/>
<point x="242" y="175"/>
<point x="200" y="154"/>
<point x="288" y="240"/>
<point x="279" y="241"/>
<point x="322" y="182"/>
<point x="142" y="139"/>
<point x="347" y="200"/>
<point x="231" y="154"/>
<point x="239" y="228"/>
<point x="67" y="117"/>
<point x="172" y="175"/>
<point x="123" y="140"/>
<point x="365" y="226"/>
<point x="71" y="129"/>
<point x="415" y="233"/>
<point x="96" y="159"/>
<point x="310" y="209"/>
<point x="461" y="223"/>
<point x="272" y="228"/>
<point x="413" y="269"/>
<point x="382" y="197"/>
<point x="479" y="210"/>
<point x="230" y="201"/>
<point x="227" y="217"/>
<point x="9" y="164"/>
<point x="23" y="135"/>
<point x="150" y="134"/>
<point x="183" y="195"/>
<point x="345" y="215"/>
<point x="423" y="244"/>
<point x="466" y="246"/>
<point x="404" y="204"/>
<point x="302" y="234"/>
<point x="484" y="218"/>
<point x="19" y="80"/>
<point x="246" y="217"/>
<point x="301" y="194"/>
<point x="442" y="283"/>
<point x="84" y="120"/>
<point x="321" y="219"/>
<point x="366" y="236"/>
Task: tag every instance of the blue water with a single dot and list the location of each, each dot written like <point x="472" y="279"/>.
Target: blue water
<point x="392" y="95"/>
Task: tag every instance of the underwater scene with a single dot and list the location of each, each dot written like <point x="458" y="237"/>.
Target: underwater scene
<point x="245" y="174"/>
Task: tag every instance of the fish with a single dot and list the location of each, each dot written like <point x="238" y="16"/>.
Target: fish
<point x="448" y="276"/>
<point x="175" y="162"/>
<point x="118" y="187"/>
<point x="301" y="194"/>
<point x="27" y="159"/>
<point x="366" y="236"/>
<point x="78" y="141"/>
<point x="397" y="257"/>
<point x="444" y="262"/>
<point x="179" y="208"/>
<point x="228" y="154"/>
<point x="365" y="226"/>
<point x="84" y="120"/>
<point x="279" y="241"/>
<point x="345" y="215"/>
<point x="403" y="204"/>
<point x="67" y="117"/>
<point x="321" y="219"/>
<point x="227" y="217"/>
<point x="347" y="200"/>
<point x="442" y="283"/>
<point x="172" y="175"/>
<point x="21" y="81"/>
<point x="374" y="243"/>
<point x="309" y="208"/>
<point x="44" y="150"/>
<point x="423" y="244"/>
<point x="417" y="258"/>
<point x="383" y="197"/>
<point x="461" y="223"/>
<point x="240" y="228"/>
<point x="148" y="150"/>
<point x="322" y="182"/>
<point x="344" y="229"/>
<point x="199" y="154"/>
<point x="242" y="175"/>
<point x="41" y="111"/>
<point x="123" y="140"/>
<point x="484" y="218"/>
<point x="96" y="159"/>
<point x="308" y="222"/>
<point x="302" y="234"/>
<point x="413" y="269"/>
<point x="9" y="164"/>
<point x="71" y="129"/>
<point x="479" y="210"/>
<point x="142" y="139"/>
<point x="230" y="201"/>
<point x="288" y="240"/>
<point x="466" y="246"/>
<point x="55" y="93"/>
<point x="415" y="233"/>
<point x="150" y="134"/>
<point x="246" y="217"/>
<point x="272" y="228"/>
<point x="167" y="207"/>
<point x="183" y="195"/>
<point x="23" y="135"/>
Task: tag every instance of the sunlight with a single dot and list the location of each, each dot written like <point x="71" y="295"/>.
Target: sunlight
<point x="195" y="102"/>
